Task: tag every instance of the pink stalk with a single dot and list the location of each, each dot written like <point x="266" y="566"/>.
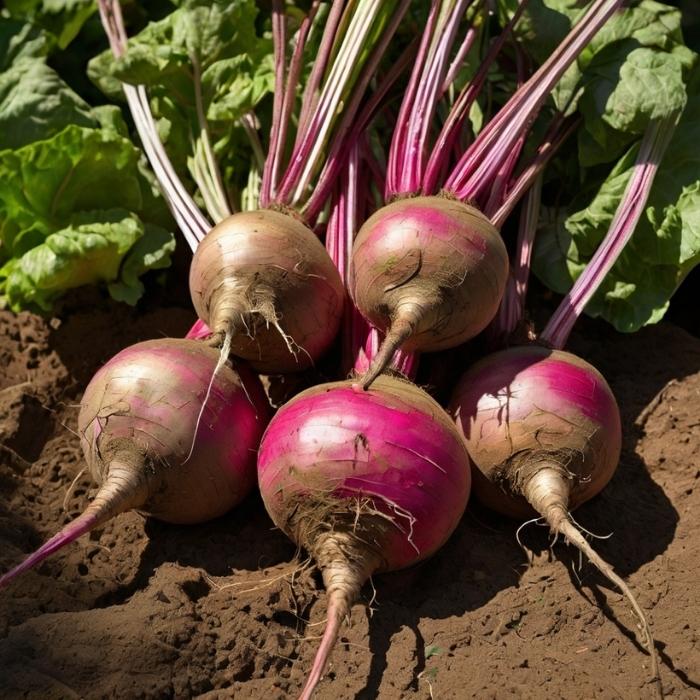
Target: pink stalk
<point x="476" y="169"/>
<point x="512" y="308"/>
<point x="524" y="245"/>
<point x="342" y="222"/>
<point x="460" y="109"/>
<point x="462" y="53"/>
<point x="398" y="139"/>
<point x="407" y="151"/>
<point x="498" y="188"/>
<point x="290" y="88"/>
<point x="559" y="131"/>
<point x="501" y="179"/>
<point x="339" y="88"/>
<point x="290" y="91"/>
<point x="404" y="362"/>
<point x="199" y="331"/>
<point x="427" y="98"/>
<point x="651" y="151"/>
<point x="310" y="97"/>
<point x="189" y="218"/>
<point x="338" y="152"/>
<point x="309" y="145"/>
<point x="342" y="225"/>
<point x="274" y="155"/>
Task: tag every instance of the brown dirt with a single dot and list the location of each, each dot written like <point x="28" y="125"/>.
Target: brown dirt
<point x="145" y="610"/>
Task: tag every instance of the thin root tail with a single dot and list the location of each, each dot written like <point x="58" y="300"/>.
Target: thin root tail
<point x="224" y="352"/>
<point x="547" y="491"/>
<point x="574" y="536"/>
<point x="345" y="567"/>
<point x="338" y="609"/>
<point x="121" y="491"/>
<point x="398" y="333"/>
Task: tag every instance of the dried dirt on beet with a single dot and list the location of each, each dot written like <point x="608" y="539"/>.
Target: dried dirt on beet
<point x="144" y="610"/>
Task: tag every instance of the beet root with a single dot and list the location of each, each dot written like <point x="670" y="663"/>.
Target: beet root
<point x="543" y="430"/>
<point x="365" y="481"/>
<point x="164" y="434"/>
<point x="429" y="272"/>
<point x="265" y="281"/>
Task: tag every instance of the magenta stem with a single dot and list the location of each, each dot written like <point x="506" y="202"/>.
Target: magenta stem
<point x="311" y="91"/>
<point x="426" y="100"/>
<point x="326" y="132"/>
<point x="276" y="147"/>
<point x="462" y="52"/>
<point x="447" y="138"/>
<point x="404" y="362"/>
<point x="338" y="153"/>
<point x="629" y="210"/>
<point x="408" y="144"/>
<point x="497" y="191"/>
<point x="400" y="135"/>
<point x="512" y="308"/>
<point x="476" y="169"/>
<point x="340" y="232"/>
<point x="295" y="67"/>
<point x="557" y="134"/>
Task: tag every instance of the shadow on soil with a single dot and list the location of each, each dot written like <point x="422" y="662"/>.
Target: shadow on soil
<point x="245" y="539"/>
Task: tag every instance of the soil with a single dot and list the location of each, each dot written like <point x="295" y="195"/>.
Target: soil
<point x="140" y="609"/>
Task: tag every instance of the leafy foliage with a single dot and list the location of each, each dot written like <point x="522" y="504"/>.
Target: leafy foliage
<point x="665" y="245"/>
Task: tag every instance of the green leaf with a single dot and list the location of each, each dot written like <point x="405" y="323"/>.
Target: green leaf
<point x="199" y="31"/>
<point x="215" y="41"/>
<point x="151" y="252"/>
<point x="35" y="104"/>
<point x="71" y="209"/>
<point x="546" y="22"/>
<point x="236" y="85"/>
<point x="45" y="182"/>
<point x="543" y="24"/>
<point x="637" y="51"/>
<point x="19" y="39"/>
<point x="90" y="250"/>
<point x="627" y="87"/>
<point x="664" y="247"/>
<point x="110" y="119"/>
<point x="63" y="19"/>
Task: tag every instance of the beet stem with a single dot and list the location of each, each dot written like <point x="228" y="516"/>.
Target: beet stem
<point x="652" y="148"/>
<point x="548" y="493"/>
<point x="122" y="490"/>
